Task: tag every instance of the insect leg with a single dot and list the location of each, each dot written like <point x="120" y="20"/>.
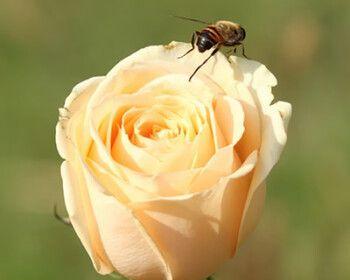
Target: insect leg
<point x="229" y="52"/>
<point x="243" y="52"/>
<point x="235" y="47"/>
<point x="205" y="61"/>
<point x="194" y="36"/>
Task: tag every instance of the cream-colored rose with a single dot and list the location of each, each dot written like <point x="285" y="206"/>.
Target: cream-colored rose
<point x="163" y="178"/>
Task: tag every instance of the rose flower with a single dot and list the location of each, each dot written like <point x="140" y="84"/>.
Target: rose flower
<point x="164" y="178"/>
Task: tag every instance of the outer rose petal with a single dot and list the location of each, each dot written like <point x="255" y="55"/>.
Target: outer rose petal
<point x="76" y="101"/>
<point x="82" y="219"/>
<point x="274" y="138"/>
<point x="128" y="246"/>
<point x="77" y="207"/>
<point x="273" y="121"/>
<point x="252" y="73"/>
<point x="285" y="109"/>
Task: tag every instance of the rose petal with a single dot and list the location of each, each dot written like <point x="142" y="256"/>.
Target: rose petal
<point x="133" y="157"/>
<point x="273" y="140"/>
<point x="223" y="163"/>
<point x="76" y="101"/>
<point x="252" y="212"/>
<point x="128" y="246"/>
<point x="219" y="139"/>
<point x="180" y="226"/>
<point x="285" y="109"/>
<point x="251" y="138"/>
<point x="80" y="214"/>
<point x="230" y="117"/>
<point x="252" y="73"/>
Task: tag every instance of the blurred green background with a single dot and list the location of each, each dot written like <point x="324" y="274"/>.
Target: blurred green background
<point x="47" y="46"/>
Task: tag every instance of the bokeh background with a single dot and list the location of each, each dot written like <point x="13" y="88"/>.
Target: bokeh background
<point x="47" y="46"/>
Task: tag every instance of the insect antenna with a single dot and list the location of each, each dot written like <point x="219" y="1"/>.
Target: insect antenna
<point x="191" y="19"/>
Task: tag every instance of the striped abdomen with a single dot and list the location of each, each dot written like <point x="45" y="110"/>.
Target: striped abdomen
<point x="207" y="38"/>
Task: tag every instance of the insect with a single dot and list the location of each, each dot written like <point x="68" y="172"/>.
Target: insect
<point x="221" y="33"/>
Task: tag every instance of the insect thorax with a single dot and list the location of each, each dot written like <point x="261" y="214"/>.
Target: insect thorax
<point x="227" y="29"/>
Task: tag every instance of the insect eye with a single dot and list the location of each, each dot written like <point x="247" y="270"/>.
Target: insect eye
<point x="242" y="33"/>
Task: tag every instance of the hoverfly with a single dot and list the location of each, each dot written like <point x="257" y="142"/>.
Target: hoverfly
<point x="221" y="33"/>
